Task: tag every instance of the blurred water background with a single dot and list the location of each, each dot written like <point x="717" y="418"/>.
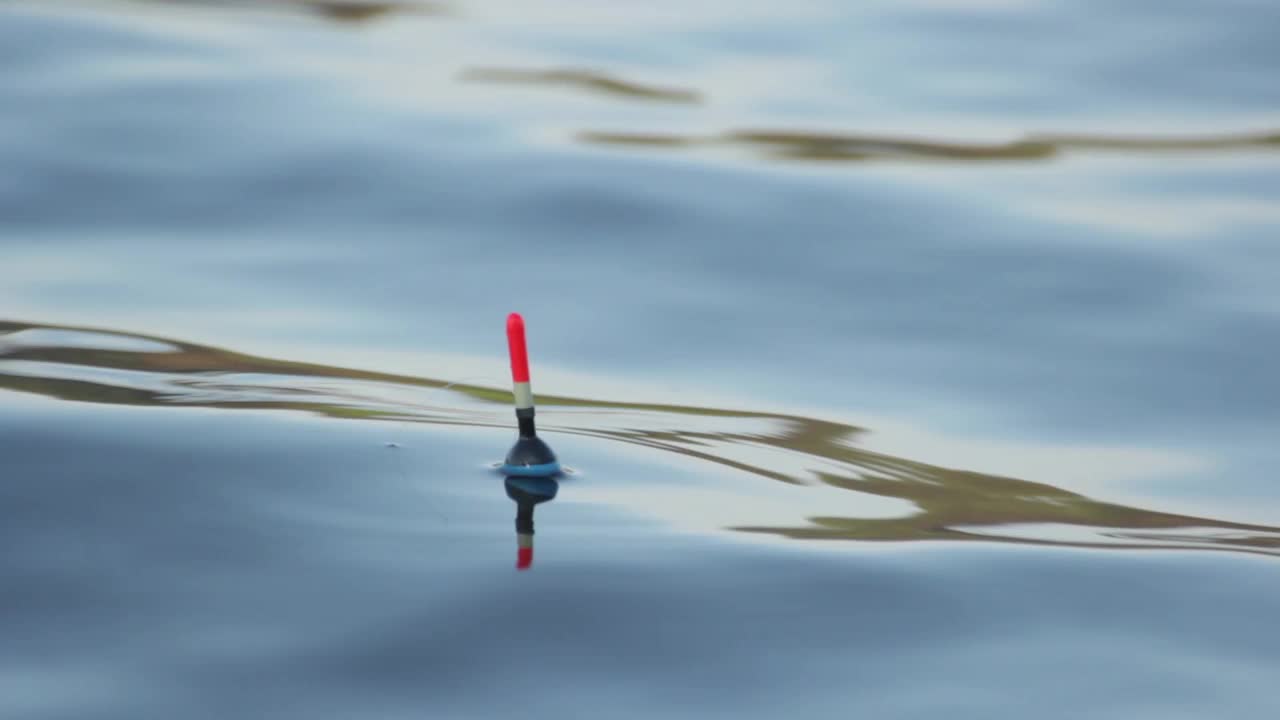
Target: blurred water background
<point x="910" y="357"/>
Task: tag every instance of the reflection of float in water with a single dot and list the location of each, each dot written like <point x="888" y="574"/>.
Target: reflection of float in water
<point x="528" y="492"/>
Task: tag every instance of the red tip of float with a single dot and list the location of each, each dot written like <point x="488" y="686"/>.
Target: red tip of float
<point x="519" y="353"/>
<point x="524" y="558"/>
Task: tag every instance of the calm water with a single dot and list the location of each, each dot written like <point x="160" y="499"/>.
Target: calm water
<point x="910" y="358"/>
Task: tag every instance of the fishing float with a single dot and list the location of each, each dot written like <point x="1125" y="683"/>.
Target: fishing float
<point x="530" y="456"/>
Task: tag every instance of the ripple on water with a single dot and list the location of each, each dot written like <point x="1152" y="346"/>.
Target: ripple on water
<point x="763" y="474"/>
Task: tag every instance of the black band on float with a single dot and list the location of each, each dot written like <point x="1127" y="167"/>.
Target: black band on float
<point x="524" y="417"/>
<point x="524" y="519"/>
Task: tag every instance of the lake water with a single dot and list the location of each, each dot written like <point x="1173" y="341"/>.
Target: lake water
<point x="909" y="358"/>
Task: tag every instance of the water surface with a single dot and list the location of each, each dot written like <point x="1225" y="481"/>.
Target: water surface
<point x="911" y="358"/>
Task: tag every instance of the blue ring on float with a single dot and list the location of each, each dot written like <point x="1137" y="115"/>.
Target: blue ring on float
<point x="543" y="470"/>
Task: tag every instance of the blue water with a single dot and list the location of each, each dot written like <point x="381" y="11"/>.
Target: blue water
<point x="908" y="358"/>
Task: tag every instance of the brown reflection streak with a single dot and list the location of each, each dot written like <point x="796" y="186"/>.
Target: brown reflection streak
<point x="588" y="80"/>
<point x="344" y="11"/>
<point x="350" y="11"/>
<point x="808" y="146"/>
<point x="947" y="501"/>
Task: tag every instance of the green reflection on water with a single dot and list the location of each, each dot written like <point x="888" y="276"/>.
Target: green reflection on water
<point x="343" y="11"/>
<point x="789" y="145"/>
<point x="808" y="146"/>
<point x="588" y="80"/>
<point x="950" y="504"/>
